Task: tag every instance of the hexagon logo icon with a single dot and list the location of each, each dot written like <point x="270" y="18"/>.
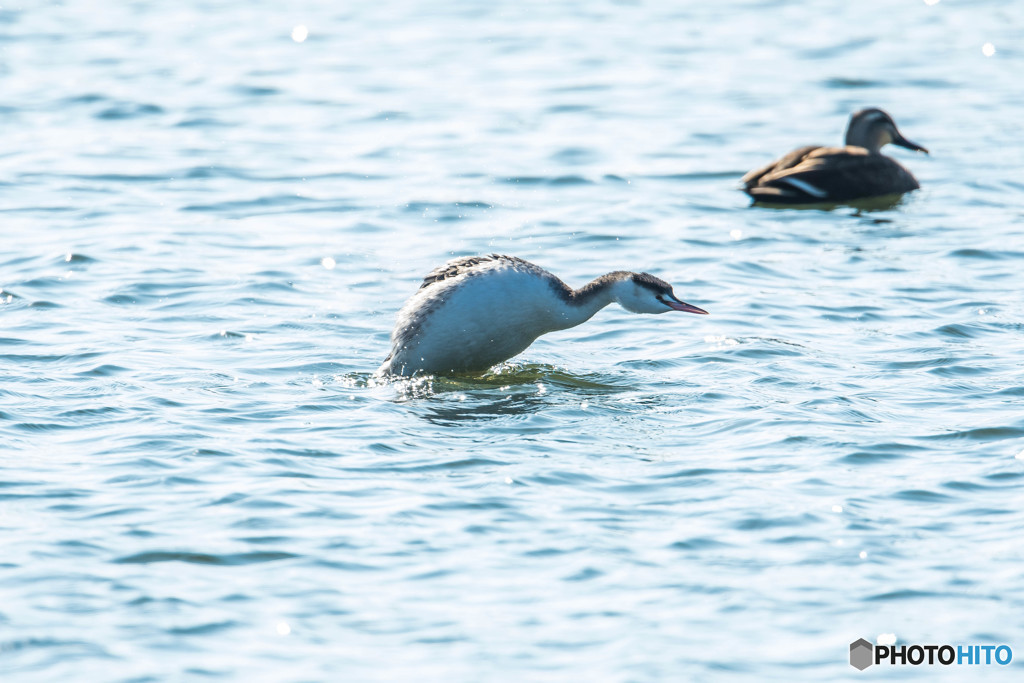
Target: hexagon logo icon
<point x="862" y="654"/>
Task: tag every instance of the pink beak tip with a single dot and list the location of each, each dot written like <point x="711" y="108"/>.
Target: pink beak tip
<point x="687" y="308"/>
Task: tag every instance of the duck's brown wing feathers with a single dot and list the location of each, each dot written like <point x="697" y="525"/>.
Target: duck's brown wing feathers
<point x="753" y="178"/>
<point x="830" y="174"/>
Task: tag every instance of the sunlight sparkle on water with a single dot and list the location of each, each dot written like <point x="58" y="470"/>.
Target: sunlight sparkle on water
<point x="886" y="639"/>
<point x="283" y="628"/>
<point x="719" y="341"/>
<point x="328" y="263"/>
<point x="300" y="33"/>
<point x="931" y="2"/>
<point x="988" y="49"/>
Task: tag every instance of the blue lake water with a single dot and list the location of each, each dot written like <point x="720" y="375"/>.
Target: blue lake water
<point x="209" y="226"/>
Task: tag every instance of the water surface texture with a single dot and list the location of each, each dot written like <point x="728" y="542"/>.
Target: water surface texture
<point x="209" y="225"/>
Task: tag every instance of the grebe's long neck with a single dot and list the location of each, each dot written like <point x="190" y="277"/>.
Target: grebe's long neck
<point x="581" y="304"/>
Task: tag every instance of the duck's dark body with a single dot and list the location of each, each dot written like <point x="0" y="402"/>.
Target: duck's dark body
<point x="816" y="175"/>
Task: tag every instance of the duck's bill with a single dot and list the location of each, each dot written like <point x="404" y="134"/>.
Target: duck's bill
<point x="903" y="142"/>
<point x="685" y="307"/>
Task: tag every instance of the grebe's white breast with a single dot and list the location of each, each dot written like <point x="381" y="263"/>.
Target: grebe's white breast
<point x="473" y="313"/>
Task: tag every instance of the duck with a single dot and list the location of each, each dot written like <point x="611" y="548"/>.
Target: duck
<point x="833" y="175"/>
<point x="475" y="312"/>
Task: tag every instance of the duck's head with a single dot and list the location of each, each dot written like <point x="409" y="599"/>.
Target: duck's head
<point x="644" y="293"/>
<point x="872" y="129"/>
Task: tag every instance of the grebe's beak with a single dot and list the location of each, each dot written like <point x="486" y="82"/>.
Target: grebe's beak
<point x="677" y="305"/>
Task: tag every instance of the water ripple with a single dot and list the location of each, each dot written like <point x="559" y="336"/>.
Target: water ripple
<point x="206" y="243"/>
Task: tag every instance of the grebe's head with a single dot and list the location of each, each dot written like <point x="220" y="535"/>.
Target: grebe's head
<point x="872" y="129"/>
<point x="644" y="293"/>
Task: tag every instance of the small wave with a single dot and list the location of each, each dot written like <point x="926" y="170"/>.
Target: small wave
<point x="202" y="122"/>
<point x="202" y="629"/>
<point x="564" y="181"/>
<point x="129" y="110"/>
<point x="155" y="556"/>
<point x="699" y="543"/>
<point x="760" y="522"/>
<point x="841" y="83"/>
<point x="922" y="496"/>
<point x="256" y="90"/>
<point x="278" y="202"/>
<point x="982" y="434"/>
<point x="105" y="370"/>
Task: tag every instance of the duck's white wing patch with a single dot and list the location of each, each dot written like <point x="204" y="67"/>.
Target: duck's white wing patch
<point x="804" y="186"/>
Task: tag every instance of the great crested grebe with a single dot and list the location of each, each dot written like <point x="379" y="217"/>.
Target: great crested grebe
<point x="822" y="175"/>
<point x="475" y="312"/>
